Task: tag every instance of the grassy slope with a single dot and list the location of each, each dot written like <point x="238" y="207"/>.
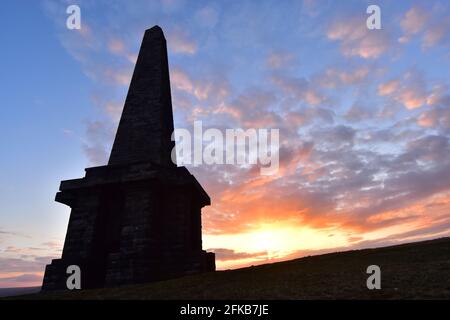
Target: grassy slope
<point x="415" y="270"/>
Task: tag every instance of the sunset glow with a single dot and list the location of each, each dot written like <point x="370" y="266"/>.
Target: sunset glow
<point x="363" y="118"/>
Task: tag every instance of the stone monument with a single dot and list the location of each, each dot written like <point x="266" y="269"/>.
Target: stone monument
<point x="137" y="219"/>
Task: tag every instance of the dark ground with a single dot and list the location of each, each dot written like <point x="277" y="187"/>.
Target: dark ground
<point x="411" y="271"/>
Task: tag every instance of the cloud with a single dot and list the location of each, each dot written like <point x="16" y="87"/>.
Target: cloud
<point x="207" y="16"/>
<point x="276" y="60"/>
<point x="333" y="77"/>
<point x="310" y="115"/>
<point x="120" y="77"/>
<point x="178" y="42"/>
<point x="312" y="7"/>
<point x="25" y="277"/>
<point x="99" y="138"/>
<point x="436" y="34"/>
<point x="181" y="81"/>
<point x="438" y="116"/>
<point x="215" y="87"/>
<point x="336" y="176"/>
<point x="109" y="106"/>
<point x="116" y="46"/>
<point x="411" y="99"/>
<point x="388" y="88"/>
<point x="410" y="90"/>
<point x="299" y="88"/>
<point x="24" y="266"/>
<point x="53" y="245"/>
<point x="114" y="110"/>
<point x="227" y="254"/>
<point x="8" y="233"/>
<point x="252" y="109"/>
<point x="432" y="24"/>
<point x="336" y="135"/>
<point x="357" y="40"/>
<point x="359" y="112"/>
<point x="8" y="265"/>
<point x="414" y="20"/>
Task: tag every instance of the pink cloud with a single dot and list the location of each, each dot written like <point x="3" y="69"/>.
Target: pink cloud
<point x="300" y="88"/>
<point x="21" y="280"/>
<point x="116" y="46"/>
<point x="431" y="24"/>
<point x="436" y="34"/>
<point x="333" y="77"/>
<point x="181" y="80"/>
<point x="410" y="90"/>
<point x="414" y="20"/>
<point x="388" y="88"/>
<point x="438" y="117"/>
<point x="178" y="42"/>
<point x="207" y="16"/>
<point x="357" y="40"/>
<point x="200" y="89"/>
<point x="411" y="99"/>
<point x="427" y="119"/>
<point x="117" y="76"/>
<point x="277" y="60"/>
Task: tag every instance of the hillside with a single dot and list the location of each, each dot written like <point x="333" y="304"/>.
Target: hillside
<point x="414" y="270"/>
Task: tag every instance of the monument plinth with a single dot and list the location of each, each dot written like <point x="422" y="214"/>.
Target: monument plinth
<point x="137" y="219"/>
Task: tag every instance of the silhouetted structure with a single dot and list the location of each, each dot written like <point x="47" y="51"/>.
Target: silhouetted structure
<point x="137" y="219"/>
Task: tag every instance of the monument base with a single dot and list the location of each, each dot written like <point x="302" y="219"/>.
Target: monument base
<point x="152" y="269"/>
<point x="129" y="224"/>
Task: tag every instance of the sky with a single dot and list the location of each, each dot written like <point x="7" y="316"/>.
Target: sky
<point x="364" y="119"/>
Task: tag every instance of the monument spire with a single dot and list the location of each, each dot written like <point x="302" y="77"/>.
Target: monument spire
<point x="146" y="125"/>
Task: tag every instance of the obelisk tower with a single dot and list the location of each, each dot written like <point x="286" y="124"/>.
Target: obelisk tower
<point x="137" y="219"/>
<point x="146" y="124"/>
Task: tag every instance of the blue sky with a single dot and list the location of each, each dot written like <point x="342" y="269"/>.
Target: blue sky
<point x="363" y="116"/>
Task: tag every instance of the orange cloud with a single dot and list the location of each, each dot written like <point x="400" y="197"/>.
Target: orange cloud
<point x="411" y="99"/>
